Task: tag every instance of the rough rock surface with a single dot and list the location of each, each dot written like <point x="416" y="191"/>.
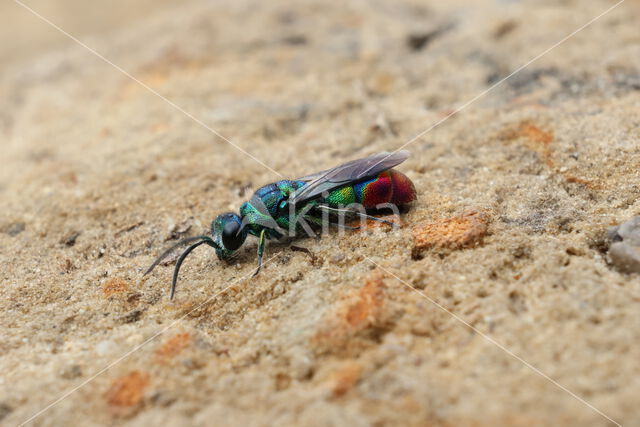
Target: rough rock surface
<point x="99" y="174"/>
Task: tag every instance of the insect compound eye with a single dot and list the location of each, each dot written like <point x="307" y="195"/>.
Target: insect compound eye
<point x="231" y="236"/>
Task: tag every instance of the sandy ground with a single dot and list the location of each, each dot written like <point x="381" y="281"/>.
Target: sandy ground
<point x="509" y="234"/>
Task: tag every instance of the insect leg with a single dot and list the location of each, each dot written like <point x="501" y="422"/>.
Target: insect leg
<point x="345" y="227"/>
<point x="171" y="249"/>
<point x="261" y="245"/>
<point x="314" y="220"/>
<point x="318" y="221"/>
<point x="306" y="251"/>
<point x="354" y="212"/>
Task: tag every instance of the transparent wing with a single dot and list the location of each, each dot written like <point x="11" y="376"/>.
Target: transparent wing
<point x="348" y="173"/>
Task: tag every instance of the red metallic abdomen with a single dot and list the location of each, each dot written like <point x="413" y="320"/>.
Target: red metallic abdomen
<point x="389" y="187"/>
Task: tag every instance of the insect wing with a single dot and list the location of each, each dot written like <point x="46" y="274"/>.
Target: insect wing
<point x="348" y="173"/>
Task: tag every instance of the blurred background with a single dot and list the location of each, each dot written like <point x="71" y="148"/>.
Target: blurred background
<point x="25" y="35"/>
<point x="99" y="173"/>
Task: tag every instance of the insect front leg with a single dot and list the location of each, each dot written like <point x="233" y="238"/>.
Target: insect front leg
<point x="261" y="244"/>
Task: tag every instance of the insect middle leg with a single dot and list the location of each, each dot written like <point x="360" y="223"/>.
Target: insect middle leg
<point x="261" y="244"/>
<point x="306" y="251"/>
<point x="354" y="212"/>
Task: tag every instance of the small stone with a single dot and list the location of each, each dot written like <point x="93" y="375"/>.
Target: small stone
<point x="4" y="410"/>
<point x="301" y="365"/>
<point x="629" y="232"/>
<point x="282" y="381"/>
<point x="419" y="40"/>
<point x="131" y="317"/>
<point x="422" y="329"/>
<point x="15" y="228"/>
<point x="337" y="258"/>
<point x="345" y="378"/>
<point x="70" y="239"/>
<point x="624" y="252"/>
<point x="162" y="399"/>
<point x="295" y="40"/>
<point x="71" y="372"/>
<point x="177" y="231"/>
<point x="625" y="258"/>
<point x="104" y="347"/>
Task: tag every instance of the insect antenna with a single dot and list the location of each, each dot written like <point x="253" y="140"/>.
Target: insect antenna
<point x="186" y="252"/>
<point x="171" y="249"/>
<point x="202" y="239"/>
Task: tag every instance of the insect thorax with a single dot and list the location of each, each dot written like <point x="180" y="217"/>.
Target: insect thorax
<point x="267" y="208"/>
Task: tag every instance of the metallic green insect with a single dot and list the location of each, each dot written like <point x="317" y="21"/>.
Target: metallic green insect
<point x="295" y="206"/>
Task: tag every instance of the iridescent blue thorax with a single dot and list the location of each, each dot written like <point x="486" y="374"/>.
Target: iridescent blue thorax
<point x="264" y="213"/>
<point x="266" y="206"/>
